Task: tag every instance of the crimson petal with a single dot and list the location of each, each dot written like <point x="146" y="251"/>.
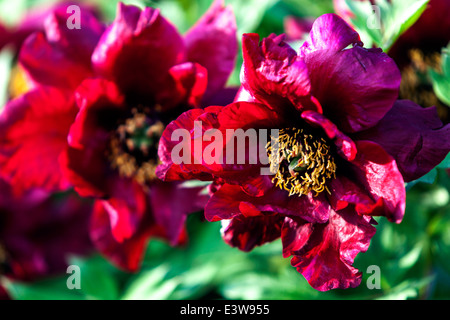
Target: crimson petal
<point x="274" y="74"/>
<point x="378" y="173"/>
<point x="138" y="50"/>
<point x="414" y="136"/>
<point x="324" y="254"/>
<point x="61" y="56"/>
<point x="246" y="233"/>
<point x="34" y="130"/>
<point x="171" y="215"/>
<point x="356" y="87"/>
<point x="212" y="43"/>
<point x="127" y="254"/>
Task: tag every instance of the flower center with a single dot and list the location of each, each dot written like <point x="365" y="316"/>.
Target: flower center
<point x="416" y="85"/>
<point x="302" y="162"/>
<point x="134" y="145"/>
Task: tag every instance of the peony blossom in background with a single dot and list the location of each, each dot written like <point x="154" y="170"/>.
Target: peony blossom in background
<point x="39" y="232"/>
<point x="99" y="101"/>
<point x="346" y="142"/>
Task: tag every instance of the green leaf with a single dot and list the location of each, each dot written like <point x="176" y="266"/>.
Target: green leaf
<point x="98" y="281"/>
<point x="381" y="24"/>
<point x="48" y="289"/>
<point x="441" y="81"/>
<point x="408" y="289"/>
<point x="151" y="285"/>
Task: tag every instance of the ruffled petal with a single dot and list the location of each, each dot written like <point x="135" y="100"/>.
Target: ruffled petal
<point x="240" y="115"/>
<point x="246" y="233"/>
<point x="171" y="215"/>
<point x="84" y="162"/>
<point x="212" y="42"/>
<point x="273" y="74"/>
<point x="34" y="130"/>
<point x="126" y="207"/>
<point x="330" y="32"/>
<point x="61" y="56"/>
<point x="345" y="192"/>
<point x="186" y="84"/>
<point x="169" y="171"/>
<point x="127" y="254"/>
<point x="295" y="234"/>
<point x="377" y="172"/>
<point x="414" y="136"/>
<point x="324" y="253"/>
<point x="356" y="87"/>
<point x="138" y="50"/>
<point x="230" y="201"/>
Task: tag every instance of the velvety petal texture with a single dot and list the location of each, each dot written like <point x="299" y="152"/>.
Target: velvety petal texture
<point x="34" y="130"/>
<point x="341" y="81"/>
<point x="325" y="259"/>
<point x="414" y="136"/>
<point x="246" y="233"/>
<point x="50" y="56"/>
<point x="134" y="51"/>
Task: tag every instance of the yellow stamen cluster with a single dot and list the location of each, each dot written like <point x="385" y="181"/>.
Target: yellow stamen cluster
<point x="133" y="149"/>
<point x="18" y="84"/>
<point x="301" y="162"/>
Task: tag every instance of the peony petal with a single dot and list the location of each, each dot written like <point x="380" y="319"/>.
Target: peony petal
<point x="127" y="254"/>
<point x="345" y="146"/>
<point x="138" y="50"/>
<point x="168" y="171"/>
<point x="212" y="42"/>
<point x="34" y="130"/>
<point x="186" y="85"/>
<point x="231" y="200"/>
<point x="273" y="74"/>
<point x="84" y="162"/>
<point x="377" y="172"/>
<point x="171" y="215"/>
<point x="326" y="258"/>
<point x="62" y="56"/>
<point x="241" y="115"/>
<point x="295" y="234"/>
<point x="330" y="32"/>
<point x="414" y="136"/>
<point x="356" y="87"/>
<point x="246" y="233"/>
<point x="126" y="207"/>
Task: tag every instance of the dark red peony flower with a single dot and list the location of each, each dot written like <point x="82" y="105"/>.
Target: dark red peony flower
<point x="33" y="20"/>
<point x="34" y="126"/>
<point x="100" y="103"/>
<point x="40" y="231"/>
<point x="344" y="149"/>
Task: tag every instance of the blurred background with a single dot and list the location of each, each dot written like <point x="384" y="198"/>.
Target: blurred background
<point x="413" y="257"/>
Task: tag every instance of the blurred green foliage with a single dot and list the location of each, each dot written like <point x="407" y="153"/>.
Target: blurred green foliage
<point x="413" y="257"/>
